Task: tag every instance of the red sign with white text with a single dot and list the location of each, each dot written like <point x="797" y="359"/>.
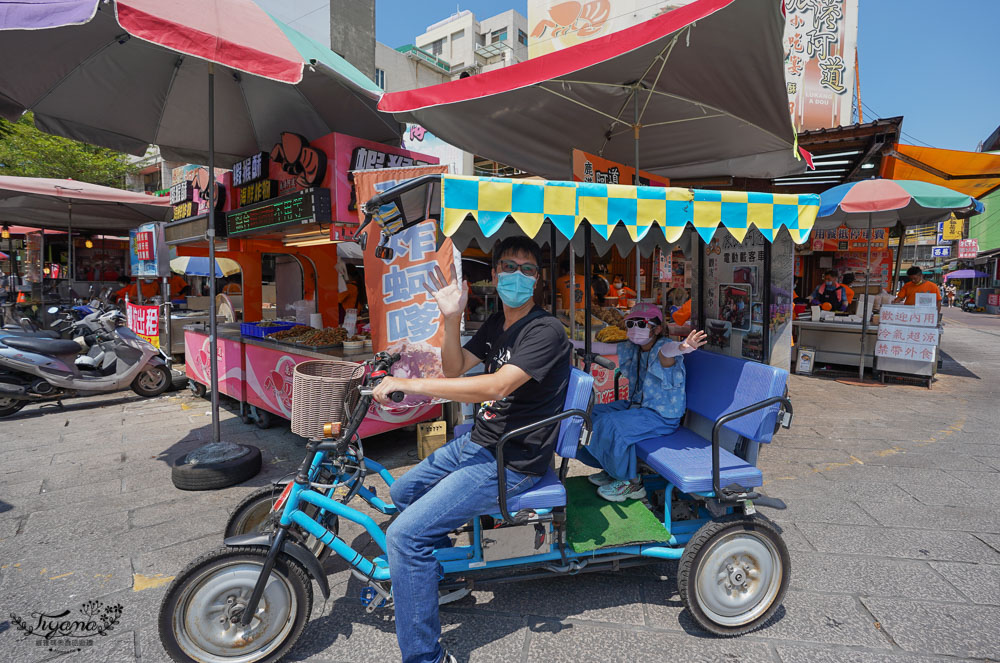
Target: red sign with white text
<point x="144" y="246"/>
<point x="145" y="321"/>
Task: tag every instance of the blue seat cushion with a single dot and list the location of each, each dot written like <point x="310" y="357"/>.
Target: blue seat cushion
<point x="547" y="493"/>
<point x="685" y="459"/>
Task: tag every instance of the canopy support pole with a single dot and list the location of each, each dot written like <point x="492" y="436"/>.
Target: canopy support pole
<point x="71" y="262"/>
<point x="571" y="304"/>
<point x="552" y="266"/>
<point x="213" y="339"/>
<point x="899" y="257"/>
<point x="864" y="312"/>
<point x="635" y="182"/>
<point x="586" y="293"/>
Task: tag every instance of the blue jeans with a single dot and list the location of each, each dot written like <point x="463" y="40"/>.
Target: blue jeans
<point x="444" y="491"/>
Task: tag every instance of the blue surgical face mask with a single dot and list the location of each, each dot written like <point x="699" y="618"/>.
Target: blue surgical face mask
<point x="515" y="289"/>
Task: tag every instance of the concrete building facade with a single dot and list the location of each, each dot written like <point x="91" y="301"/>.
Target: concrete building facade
<point x="472" y="47"/>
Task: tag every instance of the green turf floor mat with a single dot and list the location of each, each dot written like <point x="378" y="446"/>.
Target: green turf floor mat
<point x="592" y="522"/>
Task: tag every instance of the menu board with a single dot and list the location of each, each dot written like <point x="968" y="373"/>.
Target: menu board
<point x="306" y="206"/>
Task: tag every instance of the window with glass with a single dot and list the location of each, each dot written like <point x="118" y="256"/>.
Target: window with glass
<point x="522" y="37"/>
<point x="498" y="35"/>
<point x="380" y="78"/>
<point x="437" y="47"/>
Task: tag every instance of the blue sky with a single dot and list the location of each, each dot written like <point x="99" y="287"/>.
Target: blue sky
<point x="933" y="61"/>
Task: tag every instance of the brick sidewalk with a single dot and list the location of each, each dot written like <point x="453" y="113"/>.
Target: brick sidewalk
<point x="893" y="523"/>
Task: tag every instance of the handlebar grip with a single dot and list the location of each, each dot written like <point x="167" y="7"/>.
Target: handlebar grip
<point x="393" y="358"/>
<point x="604" y="362"/>
<point x="397" y="396"/>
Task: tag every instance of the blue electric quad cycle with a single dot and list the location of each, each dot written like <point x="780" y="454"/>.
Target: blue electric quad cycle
<point x="250" y="601"/>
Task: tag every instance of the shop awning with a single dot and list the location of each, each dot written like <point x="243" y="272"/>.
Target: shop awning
<point x="972" y="173"/>
<point x="480" y="209"/>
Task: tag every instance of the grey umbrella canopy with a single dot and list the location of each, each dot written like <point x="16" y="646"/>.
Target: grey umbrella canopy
<point x="697" y="91"/>
<point x="67" y="204"/>
<point x="97" y="83"/>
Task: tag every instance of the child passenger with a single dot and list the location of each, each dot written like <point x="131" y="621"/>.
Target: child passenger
<point x="654" y="367"/>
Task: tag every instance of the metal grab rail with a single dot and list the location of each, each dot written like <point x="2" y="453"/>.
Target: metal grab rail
<point x="524" y="430"/>
<point x="736" y="414"/>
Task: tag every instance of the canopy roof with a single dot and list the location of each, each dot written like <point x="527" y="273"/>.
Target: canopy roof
<point x="485" y="209"/>
<point x="45" y="203"/>
<point x="972" y="173"/>
<point x="709" y="81"/>
<point x="131" y="73"/>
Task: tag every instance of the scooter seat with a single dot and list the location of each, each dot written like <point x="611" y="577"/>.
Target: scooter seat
<point x="42" y="346"/>
<point x="41" y="333"/>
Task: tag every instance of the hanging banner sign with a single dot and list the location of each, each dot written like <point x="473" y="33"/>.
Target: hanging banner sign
<point x="404" y="318"/>
<point x="592" y="168"/>
<point x="145" y="322"/>
<point x="952" y="229"/>
<point x="849" y="239"/>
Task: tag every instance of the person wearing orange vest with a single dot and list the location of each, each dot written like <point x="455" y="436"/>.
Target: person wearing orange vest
<point x="829" y="295"/>
<point x="908" y="293"/>
<point x="619" y="292"/>
<point x="845" y="282"/>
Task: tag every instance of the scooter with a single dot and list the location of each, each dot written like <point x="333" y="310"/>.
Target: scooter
<point x="35" y="369"/>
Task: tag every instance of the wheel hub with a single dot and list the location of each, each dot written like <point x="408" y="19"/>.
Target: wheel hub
<point x="738" y="579"/>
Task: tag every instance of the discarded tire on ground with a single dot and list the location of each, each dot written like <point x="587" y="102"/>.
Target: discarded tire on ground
<point x="216" y="465"/>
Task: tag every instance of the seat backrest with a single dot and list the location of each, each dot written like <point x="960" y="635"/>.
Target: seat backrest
<point x="578" y="394"/>
<point x="717" y="385"/>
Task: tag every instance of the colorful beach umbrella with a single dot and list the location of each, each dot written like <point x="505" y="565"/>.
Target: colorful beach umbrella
<point x="199" y="266"/>
<point x="880" y="203"/>
<point x="887" y="202"/>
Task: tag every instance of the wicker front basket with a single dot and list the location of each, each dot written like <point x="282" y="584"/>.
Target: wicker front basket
<point x="322" y="391"/>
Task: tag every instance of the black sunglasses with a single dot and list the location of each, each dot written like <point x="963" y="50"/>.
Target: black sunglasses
<point x="527" y="268"/>
<point x="640" y="323"/>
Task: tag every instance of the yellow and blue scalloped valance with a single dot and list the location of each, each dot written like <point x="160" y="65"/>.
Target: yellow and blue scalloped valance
<point x="490" y="200"/>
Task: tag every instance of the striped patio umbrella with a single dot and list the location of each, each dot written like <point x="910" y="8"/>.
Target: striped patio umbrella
<point x="880" y="203"/>
<point x="199" y="266"/>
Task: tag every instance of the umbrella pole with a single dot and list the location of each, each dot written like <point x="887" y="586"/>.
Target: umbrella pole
<point x="71" y="265"/>
<point x="864" y="312"/>
<point x="899" y="259"/>
<point x="552" y="266"/>
<point x="587" y="303"/>
<point x="212" y="324"/>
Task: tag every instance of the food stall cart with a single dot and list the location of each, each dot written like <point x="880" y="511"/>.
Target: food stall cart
<point x="284" y="215"/>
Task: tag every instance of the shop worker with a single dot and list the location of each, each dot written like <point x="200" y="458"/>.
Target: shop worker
<point x="563" y="289"/>
<point x="619" y="292"/>
<point x="654" y="367"/>
<point x="846" y="281"/>
<point x="829" y="295"/>
<point x="908" y="293"/>
<point x="527" y="360"/>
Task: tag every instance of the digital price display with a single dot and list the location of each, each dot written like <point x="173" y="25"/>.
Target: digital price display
<point x="306" y="206"/>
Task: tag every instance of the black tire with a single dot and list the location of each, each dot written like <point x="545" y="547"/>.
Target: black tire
<point x="152" y="381"/>
<point x="210" y="476"/>
<point x="9" y="406"/>
<point x="262" y="418"/>
<point x="708" y="548"/>
<point x="181" y="599"/>
<point x="254" y="515"/>
<point x="197" y="388"/>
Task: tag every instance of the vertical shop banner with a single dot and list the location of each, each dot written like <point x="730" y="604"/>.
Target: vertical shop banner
<point x="820" y="44"/>
<point x="968" y="248"/>
<point x="404" y="317"/>
<point x="148" y="254"/>
<point x="145" y="321"/>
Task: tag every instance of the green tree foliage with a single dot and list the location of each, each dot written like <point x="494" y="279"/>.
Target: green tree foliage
<point x="28" y="152"/>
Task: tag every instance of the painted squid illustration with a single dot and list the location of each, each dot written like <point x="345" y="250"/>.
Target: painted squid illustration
<point x="296" y="158"/>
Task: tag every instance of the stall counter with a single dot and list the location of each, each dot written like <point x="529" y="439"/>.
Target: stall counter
<point x="836" y="342"/>
<point x="259" y="372"/>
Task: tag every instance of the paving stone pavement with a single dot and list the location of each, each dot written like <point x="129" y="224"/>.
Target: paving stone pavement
<point x="893" y="527"/>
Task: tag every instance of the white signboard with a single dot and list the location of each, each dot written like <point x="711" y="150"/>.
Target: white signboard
<point x="908" y="315"/>
<point x="941" y="251"/>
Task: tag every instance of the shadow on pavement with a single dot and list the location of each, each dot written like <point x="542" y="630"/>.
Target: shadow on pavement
<point x="951" y="366"/>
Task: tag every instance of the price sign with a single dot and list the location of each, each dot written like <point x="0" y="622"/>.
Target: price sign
<point x="306" y="206"/>
<point x="144" y="245"/>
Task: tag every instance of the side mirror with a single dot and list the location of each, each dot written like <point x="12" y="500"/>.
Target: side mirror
<point x="53" y="310"/>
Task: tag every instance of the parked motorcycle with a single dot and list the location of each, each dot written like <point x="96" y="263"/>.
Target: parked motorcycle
<point x="36" y="369"/>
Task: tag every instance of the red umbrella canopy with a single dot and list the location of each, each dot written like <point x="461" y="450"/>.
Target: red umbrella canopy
<point x="708" y="79"/>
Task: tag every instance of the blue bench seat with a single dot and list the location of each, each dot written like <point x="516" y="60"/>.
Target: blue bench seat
<point x="685" y="460"/>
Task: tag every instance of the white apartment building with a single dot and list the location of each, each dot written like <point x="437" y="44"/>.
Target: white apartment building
<point x="471" y="47"/>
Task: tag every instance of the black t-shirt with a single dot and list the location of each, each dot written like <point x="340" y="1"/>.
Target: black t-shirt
<point x="541" y="349"/>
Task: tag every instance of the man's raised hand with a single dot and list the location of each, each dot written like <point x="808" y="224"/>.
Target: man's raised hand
<point x="451" y="297"/>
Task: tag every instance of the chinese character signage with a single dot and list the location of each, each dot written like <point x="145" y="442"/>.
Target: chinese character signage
<point x="968" y="248"/>
<point x="952" y="229"/>
<point x="592" y="168"/>
<point x="820" y="41"/>
<point x="941" y="252"/>
<point x="404" y="318"/>
<point x="145" y="321"/>
<point x="144" y="245"/>
<point x="148" y="255"/>
<point x="849" y="239"/>
<point x="908" y="332"/>
<point x="251" y="169"/>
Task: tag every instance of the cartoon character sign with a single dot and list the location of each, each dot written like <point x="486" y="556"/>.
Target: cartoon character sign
<point x="297" y="158"/>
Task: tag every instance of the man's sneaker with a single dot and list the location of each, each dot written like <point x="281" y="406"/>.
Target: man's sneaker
<point x="619" y="491"/>
<point x="602" y="478"/>
<point x="448" y="658"/>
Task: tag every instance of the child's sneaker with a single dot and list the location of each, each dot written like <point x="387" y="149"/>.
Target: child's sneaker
<point x="602" y="478"/>
<point x="619" y="491"/>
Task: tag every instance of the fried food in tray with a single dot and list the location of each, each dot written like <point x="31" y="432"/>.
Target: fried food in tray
<point x="288" y="334"/>
<point x="326" y="337"/>
<point x="611" y="334"/>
